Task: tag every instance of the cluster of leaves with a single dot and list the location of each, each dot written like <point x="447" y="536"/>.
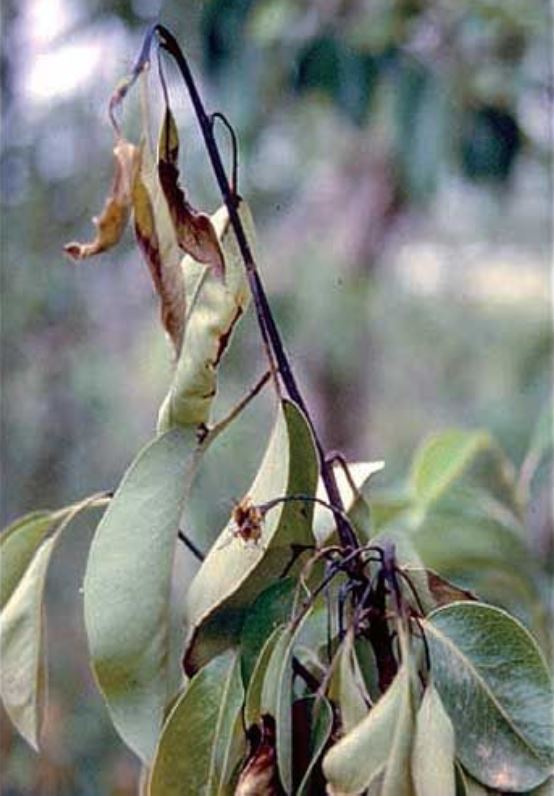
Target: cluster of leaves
<point x="295" y="663"/>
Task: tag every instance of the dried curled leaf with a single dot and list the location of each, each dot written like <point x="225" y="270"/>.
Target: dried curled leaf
<point x="213" y="310"/>
<point x="114" y="217"/>
<point x="195" y="233"/>
<point x="158" y="243"/>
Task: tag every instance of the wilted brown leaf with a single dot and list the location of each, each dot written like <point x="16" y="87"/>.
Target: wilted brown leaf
<point x="195" y="233"/>
<point x="114" y="217"/>
<point x="155" y="241"/>
<point x="445" y="592"/>
<point x="259" y="776"/>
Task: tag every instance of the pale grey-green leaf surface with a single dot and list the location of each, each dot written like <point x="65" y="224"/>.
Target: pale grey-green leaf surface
<point x="397" y="779"/>
<point x="361" y="756"/>
<point x="253" y="702"/>
<point x="276" y="693"/>
<point x="196" y="752"/>
<point x="347" y="687"/>
<point x="20" y="540"/>
<point x="236" y="571"/>
<point x="321" y="728"/>
<point x="272" y="608"/>
<point x="434" y="748"/>
<point x="127" y="589"/>
<point x="25" y="555"/>
<point x="18" y="544"/>
<point x="496" y="688"/>
<point x="22" y="676"/>
<point x="276" y="700"/>
<point x="213" y="309"/>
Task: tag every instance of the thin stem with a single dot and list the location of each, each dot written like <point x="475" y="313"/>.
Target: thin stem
<point x="218" y="116"/>
<point x="219" y="427"/>
<point x="268" y="327"/>
<point x="337" y="512"/>
<point x="197" y="553"/>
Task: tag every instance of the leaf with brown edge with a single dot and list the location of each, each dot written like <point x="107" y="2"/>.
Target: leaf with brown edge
<point x="115" y="214"/>
<point x="195" y="233"/>
<point x="259" y="777"/>
<point x="158" y="243"/>
<point x="213" y="310"/>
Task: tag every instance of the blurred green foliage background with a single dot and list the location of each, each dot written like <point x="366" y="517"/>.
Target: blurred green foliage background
<point x="396" y="155"/>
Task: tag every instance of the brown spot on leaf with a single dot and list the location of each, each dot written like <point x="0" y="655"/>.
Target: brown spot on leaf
<point x="445" y="592"/>
<point x="194" y="230"/>
<point x="226" y="336"/>
<point x="115" y="214"/>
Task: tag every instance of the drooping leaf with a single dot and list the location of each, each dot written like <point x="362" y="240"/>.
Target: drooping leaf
<point x="253" y="703"/>
<point x="397" y="779"/>
<point x="127" y="589"/>
<point x="496" y="688"/>
<point x="347" y="686"/>
<point x="115" y="214"/>
<point x="197" y="751"/>
<point x="441" y="460"/>
<point x="363" y="755"/>
<point x="276" y="695"/>
<point x="276" y="699"/>
<point x="25" y="553"/>
<point x="22" y="676"/>
<point x="18" y="544"/>
<point x="213" y="310"/>
<point x="195" y="233"/>
<point x="321" y="720"/>
<point x="271" y="608"/>
<point x="157" y="241"/>
<point x="236" y="571"/>
<point x="361" y="473"/>
<point x="434" y="748"/>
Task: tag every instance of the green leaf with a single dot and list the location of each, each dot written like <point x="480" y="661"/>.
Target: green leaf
<point x="213" y="309"/>
<point x="24" y="557"/>
<point x="441" y="460"/>
<point x="198" y="750"/>
<point x="347" y="686"/>
<point x="127" y="589"/>
<point x="273" y="607"/>
<point x="253" y="702"/>
<point x="434" y="748"/>
<point x="361" y="472"/>
<point x="483" y="554"/>
<point x="22" y="676"/>
<point x="235" y="572"/>
<point x="276" y="694"/>
<point x="20" y="540"/>
<point x="276" y="699"/>
<point x="18" y="544"/>
<point x="397" y="780"/>
<point x="496" y="688"/>
<point x="321" y="715"/>
<point x="377" y="746"/>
